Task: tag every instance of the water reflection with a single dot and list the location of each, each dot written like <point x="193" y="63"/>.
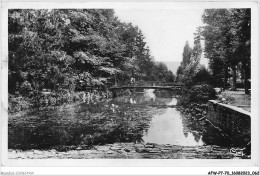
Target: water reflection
<point x="136" y="118"/>
<point x="150" y="95"/>
<point x="167" y="128"/>
<point x="173" y="102"/>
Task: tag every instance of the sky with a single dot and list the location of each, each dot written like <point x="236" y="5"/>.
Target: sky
<point x="166" y="31"/>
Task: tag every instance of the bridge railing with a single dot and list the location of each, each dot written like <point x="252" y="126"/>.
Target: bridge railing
<point x="145" y="83"/>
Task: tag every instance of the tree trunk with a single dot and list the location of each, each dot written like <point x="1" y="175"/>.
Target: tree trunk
<point x="225" y="78"/>
<point x="234" y="76"/>
<point x="245" y="79"/>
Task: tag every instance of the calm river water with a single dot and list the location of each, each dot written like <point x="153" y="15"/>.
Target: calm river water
<point x="147" y="116"/>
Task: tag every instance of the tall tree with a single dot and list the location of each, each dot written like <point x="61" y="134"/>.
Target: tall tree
<point x="191" y="60"/>
<point x="217" y="36"/>
<point x="227" y="38"/>
<point x="186" y="56"/>
<point x="241" y="41"/>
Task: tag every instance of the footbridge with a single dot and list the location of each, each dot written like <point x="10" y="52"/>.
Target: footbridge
<point x="148" y="85"/>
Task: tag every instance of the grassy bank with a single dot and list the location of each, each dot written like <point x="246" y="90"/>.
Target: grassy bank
<point x="236" y="98"/>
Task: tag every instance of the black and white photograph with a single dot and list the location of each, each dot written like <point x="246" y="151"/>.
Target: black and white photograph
<point x="130" y="83"/>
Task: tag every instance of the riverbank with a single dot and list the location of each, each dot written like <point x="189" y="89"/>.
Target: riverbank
<point x="132" y="151"/>
<point x="48" y="99"/>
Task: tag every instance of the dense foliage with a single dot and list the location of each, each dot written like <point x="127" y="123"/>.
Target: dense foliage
<point x="200" y="93"/>
<point x="227" y="45"/>
<point x="76" y="48"/>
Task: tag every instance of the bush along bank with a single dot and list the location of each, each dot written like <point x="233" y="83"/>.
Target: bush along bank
<point x="57" y="98"/>
<point x="193" y="101"/>
<point x="198" y="93"/>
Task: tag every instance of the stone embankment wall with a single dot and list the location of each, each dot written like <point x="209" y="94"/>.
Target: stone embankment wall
<point x="233" y="121"/>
